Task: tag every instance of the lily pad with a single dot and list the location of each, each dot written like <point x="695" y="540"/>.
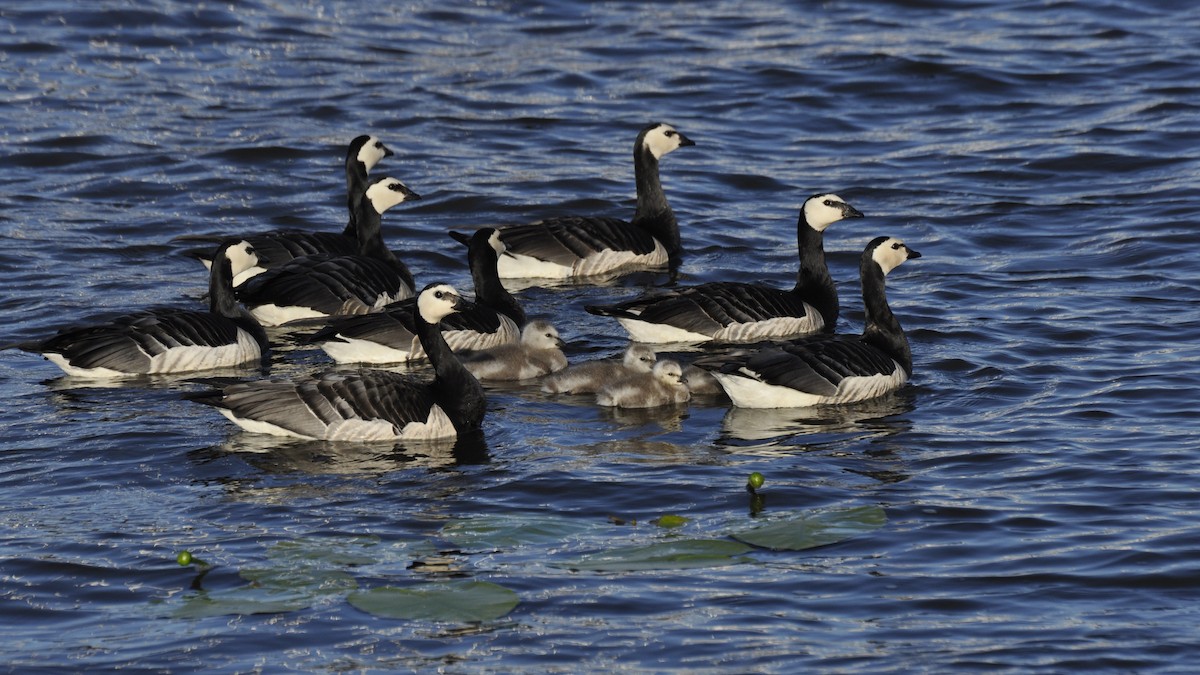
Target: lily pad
<point x="671" y="555"/>
<point x="340" y="551"/>
<point x="509" y="530"/>
<point x="244" y="600"/>
<point x="307" y="580"/>
<point x="814" y="529"/>
<point x="461" y="601"/>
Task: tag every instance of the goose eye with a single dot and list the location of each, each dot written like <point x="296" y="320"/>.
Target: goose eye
<point x="669" y="133"/>
<point x="439" y="295"/>
<point x="897" y="246"/>
<point x="379" y="144"/>
<point x="829" y="203"/>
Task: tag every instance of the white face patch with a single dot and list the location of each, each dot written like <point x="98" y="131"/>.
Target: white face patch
<point x="661" y="140"/>
<point x="497" y="245"/>
<point x="241" y="257"/>
<point x="819" y="214"/>
<point x="890" y="254"/>
<point x="371" y="152"/>
<point x="437" y="302"/>
<point x="383" y="197"/>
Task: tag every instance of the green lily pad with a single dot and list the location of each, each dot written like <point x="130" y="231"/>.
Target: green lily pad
<point x="461" y="601"/>
<point x="341" y="551"/>
<point x="244" y="600"/>
<point x="306" y="580"/>
<point x="814" y="529"/>
<point x="670" y="555"/>
<point x="509" y="530"/>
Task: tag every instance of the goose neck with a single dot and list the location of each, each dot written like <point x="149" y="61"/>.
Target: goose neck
<point x="881" y="327"/>
<point x="653" y="213"/>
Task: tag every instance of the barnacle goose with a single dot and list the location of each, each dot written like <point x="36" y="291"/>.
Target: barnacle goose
<point x="367" y="404"/>
<point x="538" y="353"/>
<point x="588" y="378"/>
<point x="390" y="336"/>
<point x="582" y="246"/>
<point x="726" y="311"/>
<point x="167" y="339"/>
<point x="828" y="368"/>
<point x="325" y="284"/>
<point x="663" y="385"/>
<point x="280" y="246"/>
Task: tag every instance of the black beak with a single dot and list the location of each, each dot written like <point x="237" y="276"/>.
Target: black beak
<point x="851" y="212"/>
<point x="684" y="140"/>
<point x="913" y="255"/>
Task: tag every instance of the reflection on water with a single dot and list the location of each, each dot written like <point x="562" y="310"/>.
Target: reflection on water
<point x="787" y="427"/>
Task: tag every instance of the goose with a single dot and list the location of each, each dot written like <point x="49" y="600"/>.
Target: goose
<point x="588" y="378"/>
<point x="538" y="353"/>
<point x="280" y="246"/>
<point x="391" y="336"/>
<point x="828" y="368"/>
<point x="726" y="311"/>
<point x="166" y="339"/>
<point x="325" y="285"/>
<point x="663" y="385"/>
<point x="569" y="247"/>
<point x="367" y="404"/>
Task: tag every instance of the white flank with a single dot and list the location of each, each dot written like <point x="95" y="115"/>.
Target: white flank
<point x="259" y="427"/>
<point x="659" y="333"/>
<point x="353" y="350"/>
<point x="245" y="275"/>
<point x="518" y="266"/>
<point x="610" y="260"/>
<point x="91" y="373"/>
<point x="747" y="392"/>
<point x="607" y="261"/>
<point x="783" y="326"/>
<point x="196" y="357"/>
<point x="437" y="425"/>
<point x="274" y="315"/>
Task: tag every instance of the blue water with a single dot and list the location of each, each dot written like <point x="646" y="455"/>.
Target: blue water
<point x="1038" y="474"/>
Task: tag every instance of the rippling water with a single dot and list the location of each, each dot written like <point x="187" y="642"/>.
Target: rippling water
<point x="1038" y="475"/>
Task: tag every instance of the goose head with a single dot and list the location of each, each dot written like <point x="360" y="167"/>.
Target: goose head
<point x="639" y="358"/>
<point x="659" y="139"/>
<point x="385" y="193"/>
<point x="368" y="150"/>
<point x="241" y="256"/>
<point x="670" y="373"/>
<point x="541" y="334"/>
<point x="889" y="252"/>
<point x="821" y="211"/>
<point x="438" y="301"/>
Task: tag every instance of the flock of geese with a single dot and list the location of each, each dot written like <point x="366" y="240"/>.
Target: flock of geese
<point x="369" y="311"/>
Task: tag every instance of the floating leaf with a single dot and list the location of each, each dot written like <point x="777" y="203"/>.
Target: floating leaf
<point x="671" y="555"/>
<point x="306" y="580"/>
<point x="509" y="530"/>
<point x="243" y="600"/>
<point x="814" y="529"/>
<point x="461" y="601"/>
<point x="357" y="550"/>
<point x="670" y="520"/>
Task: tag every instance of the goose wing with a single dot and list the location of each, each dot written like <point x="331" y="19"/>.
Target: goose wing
<point x="329" y="284"/>
<point x="710" y="307"/>
<point x="312" y="407"/>
<point x="127" y="343"/>
<point x="814" y="366"/>
<point x="565" y="239"/>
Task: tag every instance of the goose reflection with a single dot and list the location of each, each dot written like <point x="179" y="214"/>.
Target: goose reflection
<point x="770" y="427"/>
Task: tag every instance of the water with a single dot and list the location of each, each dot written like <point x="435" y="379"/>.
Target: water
<point x="1038" y="474"/>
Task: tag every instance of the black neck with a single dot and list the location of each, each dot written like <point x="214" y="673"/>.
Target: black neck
<point x="813" y="282"/>
<point x="222" y="300"/>
<point x="369" y="230"/>
<point x="882" y="329"/>
<point x="489" y="290"/>
<point x="455" y="389"/>
<point x="356" y="181"/>
<point x="653" y="213"/>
